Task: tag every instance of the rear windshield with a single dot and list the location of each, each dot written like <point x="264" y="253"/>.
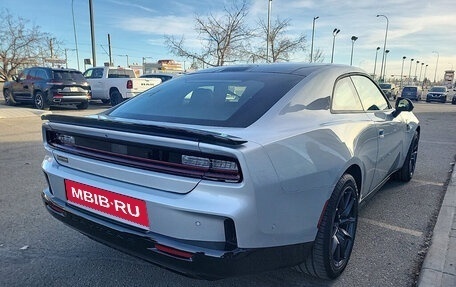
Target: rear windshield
<point x="409" y="89"/>
<point x="121" y="73"/>
<point x="385" y="86"/>
<point x="74" y="76"/>
<point x="230" y="99"/>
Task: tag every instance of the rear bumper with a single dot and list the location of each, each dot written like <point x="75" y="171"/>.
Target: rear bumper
<point x="67" y="98"/>
<point x="204" y="260"/>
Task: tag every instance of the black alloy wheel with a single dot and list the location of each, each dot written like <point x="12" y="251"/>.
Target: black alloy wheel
<point x="40" y="101"/>
<point x="408" y="168"/>
<point x="336" y="234"/>
<point x="344" y="227"/>
<point x="9" y="100"/>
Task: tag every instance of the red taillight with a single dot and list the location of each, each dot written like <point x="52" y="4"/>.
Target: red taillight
<point x="58" y="95"/>
<point x="129" y="84"/>
<point x="174" y="251"/>
<point x="225" y="169"/>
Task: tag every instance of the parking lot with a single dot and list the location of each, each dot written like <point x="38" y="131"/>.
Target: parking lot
<point x="36" y="250"/>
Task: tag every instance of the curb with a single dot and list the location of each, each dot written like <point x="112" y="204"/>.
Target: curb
<point x="439" y="266"/>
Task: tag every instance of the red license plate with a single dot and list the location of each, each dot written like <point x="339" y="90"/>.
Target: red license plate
<point x="126" y="209"/>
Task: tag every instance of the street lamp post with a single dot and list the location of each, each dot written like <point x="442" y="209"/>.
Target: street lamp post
<point x="267" y="32"/>
<point x="410" y="71"/>
<point x="375" y="63"/>
<point x="424" y="78"/>
<point x="384" y="45"/>
<point x="436" y="64"/>
<point x="353" y="38"/>
<point x="384" y="68"/>
<point x="92" y="34"/>
<point x="74" y="30"/>
<point x="421" y="70"/>
<point x="125" y="56"/>
<point x="313" y="33"/>
<point x="66" y="56"/>
<point x="335" y="32"/>
<point x="402" y="69"/>
<point x="416" y="67"/>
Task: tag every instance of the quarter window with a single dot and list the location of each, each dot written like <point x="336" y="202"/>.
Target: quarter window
<point x="371" y="97"/>
<point x="345" y="98"/>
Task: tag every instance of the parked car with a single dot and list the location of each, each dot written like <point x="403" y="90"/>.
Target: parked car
<point x="437" y="94"/>
<point x="116" y="84"/>
<point x="44" y="87"/>
<point x="232" y="170"/>
<point x="389" y="89"/>
<point x="161" y="76"/>
<point x="412" y="92"/>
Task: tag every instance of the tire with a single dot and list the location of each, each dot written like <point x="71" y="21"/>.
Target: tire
<point x="9" y="100"/>
<point x="336" y="234"/>
<point x="407" y="170"/>
<point x="116" y="98"/>
<point x="105" y="101"/>
<point x="453" y="101"/>
<point x="40" y="102"/>
<point x="83" y="106"/>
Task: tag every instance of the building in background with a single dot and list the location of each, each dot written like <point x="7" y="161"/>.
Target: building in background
<point x="163" y="66"/>
<point x="449" y="79"/>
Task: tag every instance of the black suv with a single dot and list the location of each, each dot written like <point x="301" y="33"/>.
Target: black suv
<point x="45" y="87"/>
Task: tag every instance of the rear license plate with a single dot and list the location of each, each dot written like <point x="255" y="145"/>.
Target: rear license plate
<point x="73" y="89"/>
<point x="120" y="207"/>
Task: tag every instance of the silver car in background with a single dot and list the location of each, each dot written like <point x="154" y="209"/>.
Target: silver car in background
<point x="232" y="170"/>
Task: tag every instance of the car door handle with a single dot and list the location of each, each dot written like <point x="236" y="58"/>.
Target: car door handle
<point x="381" y="133"/>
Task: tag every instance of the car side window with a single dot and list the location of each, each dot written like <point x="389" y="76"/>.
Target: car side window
<point x="41" y="75"/>
<point x="345" y="98"/>
<point x="32" y="75"/>
<point x="371" y="96"/>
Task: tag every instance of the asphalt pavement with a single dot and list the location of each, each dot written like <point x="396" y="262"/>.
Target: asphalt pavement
<point x="439" y="266"/>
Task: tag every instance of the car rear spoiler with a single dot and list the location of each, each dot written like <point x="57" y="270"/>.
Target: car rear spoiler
<point x="155" y="130"/>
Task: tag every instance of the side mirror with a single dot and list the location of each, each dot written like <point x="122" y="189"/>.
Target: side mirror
<point x="403" y="105"/>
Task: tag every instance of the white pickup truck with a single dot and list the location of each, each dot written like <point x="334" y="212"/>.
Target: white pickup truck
<point x="116" y="84"/>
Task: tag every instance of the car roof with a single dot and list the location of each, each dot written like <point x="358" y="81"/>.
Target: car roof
<point x="302" y="69"/>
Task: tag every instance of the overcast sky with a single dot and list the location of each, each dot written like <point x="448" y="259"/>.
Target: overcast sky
<point x="418" y="29"/>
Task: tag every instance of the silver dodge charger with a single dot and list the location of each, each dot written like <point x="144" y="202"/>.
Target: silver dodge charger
<point x="232" y="170"/>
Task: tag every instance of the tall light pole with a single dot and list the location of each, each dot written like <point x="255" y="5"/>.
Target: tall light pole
<point x="375" y="63"/>
<point x="436" y="64"/>
<point x="402" y="69"/>
<point x="416" y="67"/>
<point x="125" y="55"/>
<point x="313" y="33"/>
<point x="384" y="45"/>
<point x="66" y="57"/>
<point x="410" y="71"/>
<point x="384" y="67"/>
<point x="421" y="70"/>
<point x="353" y="38"/>
<point x="335" y="32"/>
<point x="424" y="78"/>
<point x="92" y="33"/>
<point x="267" y="32"/>
<point x="74" y="30"/>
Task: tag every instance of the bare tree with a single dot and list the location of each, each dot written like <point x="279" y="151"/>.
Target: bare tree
<point x="20" y="45"/>
<point x="223" y="37"/>
<point x="281" y="44"/>
<point x="318" y="56"/>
